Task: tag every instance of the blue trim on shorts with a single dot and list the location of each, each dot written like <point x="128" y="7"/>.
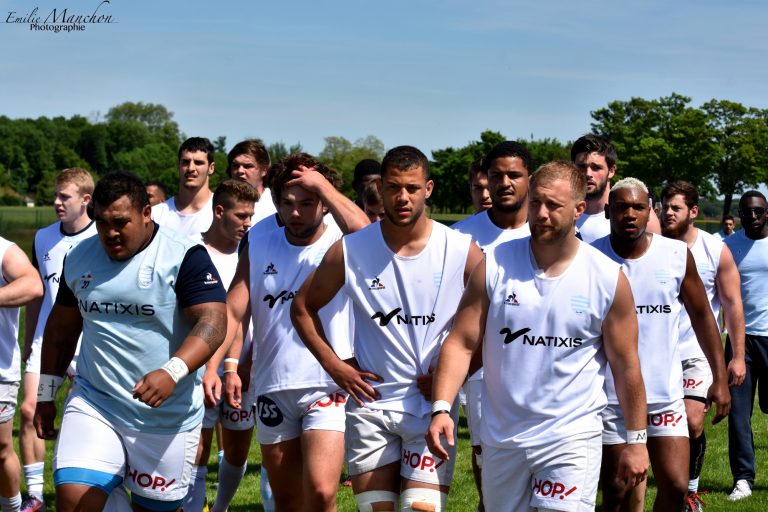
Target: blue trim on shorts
<point x="156" y="505"/>
<point x="90" y="477"/>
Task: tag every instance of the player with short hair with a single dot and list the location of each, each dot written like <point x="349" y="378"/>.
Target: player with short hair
<point x="366" y="170"/>
<point x="232" y="211"/>
<point x="663" y="277"/>
<point x="155" y="192"/>
<point x="19" y="284"/>
<point x="728" y="227"/>
<point x="506" y="168"/>
<point x="596" y="156"/>
<point x="718" y="272"/>
<point x="299" y="409"/>
<point x="190" y="212"/>
<point x="72" y="195"/>
<point x="151" y="309"/>
<point x="478" y="186"/>
<point x="749" y="247"/>
<point x="549" y="310"/>
<point x="404" y="275"/>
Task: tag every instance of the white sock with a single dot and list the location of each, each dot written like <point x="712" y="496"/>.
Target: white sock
<point x="195" y="498"/>
<point x="229" y="480"/>
<point x="693" y="485"/>
<point x="10" y="504"/>
<point x="33" y="475"/>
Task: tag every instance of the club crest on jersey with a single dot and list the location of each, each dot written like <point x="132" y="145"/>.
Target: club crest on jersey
<point x="663" y="275"/>
<point x="511" y="299"/>
<point x="579" y="304"/>
<point x="376" y="284"/>
<point x="47" y="257"/>
<point x="270" y="269"/>
<point x="86" y="280"/>
<point x="210" y="279"/>
<point x="438" y="278"/>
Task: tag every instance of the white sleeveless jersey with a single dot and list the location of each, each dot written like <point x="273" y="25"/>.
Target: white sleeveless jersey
<point x="51" y="246"/>
<point x="706" y="253"/>
<point x="191" y="225"/>
<point x="655" y="278"/>
<point x="10" y="362"/>
<point x="543" y="350"/>
<point x="404" y="307"/>
<point x="277" y="271"/>
<point x="751" y="257"/>
<point x="488" y="235"/>
<point x="592" y="227"/>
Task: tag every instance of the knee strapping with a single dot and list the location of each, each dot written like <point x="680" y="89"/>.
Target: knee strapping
<point x="365" y="500"/>
<point x="418" y="499"/>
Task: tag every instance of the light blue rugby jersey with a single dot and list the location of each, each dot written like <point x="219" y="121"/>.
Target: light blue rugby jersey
<point x="751" y="258"/>
<point x="133" y="323"/>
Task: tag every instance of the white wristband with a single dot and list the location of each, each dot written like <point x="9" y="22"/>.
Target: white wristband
<point x="637" y="436"/>
<point x="234" y="360"/>
<point x="176" y="368"/>
<point x="49" y="385"/>
<point x="440" y="406"/>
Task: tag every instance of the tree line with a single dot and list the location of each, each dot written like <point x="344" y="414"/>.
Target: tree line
<point x="721" y="146"/>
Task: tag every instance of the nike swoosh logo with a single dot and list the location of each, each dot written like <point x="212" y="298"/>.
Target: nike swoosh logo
<point x="385" y="319"/>
<point x="512" y="336"/>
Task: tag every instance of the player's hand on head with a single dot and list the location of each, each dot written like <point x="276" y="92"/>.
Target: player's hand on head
<point x="45" y="414"/>
<point x="154" y="388"/>
<point x="308" y="178"/>
<point x="718" y="393"/>
<point x="440" y="426"/>
<point x="233" y="389"/>
<point x="348" y="375"/>
<point x="633" y="466"/>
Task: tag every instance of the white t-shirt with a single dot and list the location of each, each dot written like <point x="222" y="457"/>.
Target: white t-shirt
<point x="592" y="227"/>
<point x="191" y="225"/>
<point x="263" y="208"/>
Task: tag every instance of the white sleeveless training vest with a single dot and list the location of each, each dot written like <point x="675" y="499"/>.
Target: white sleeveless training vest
<point x="404" y="307"/>
<point x="543" y="351"/>
<point x="10" y="363"/>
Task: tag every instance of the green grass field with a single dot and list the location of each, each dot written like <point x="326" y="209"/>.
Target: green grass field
<point x="18" y="224"/>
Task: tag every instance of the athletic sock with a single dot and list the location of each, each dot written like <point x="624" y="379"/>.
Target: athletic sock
<point x="229" y="480"/>
<point x="33" y="475"/>
<point x="195" y="498"/>
<point x="698" y="447"/>
<point x="220" y="456"/>
<point x="10" y="504"/>
<point x="267" y="499"/>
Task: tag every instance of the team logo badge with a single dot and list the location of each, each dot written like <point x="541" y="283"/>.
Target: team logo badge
<point x="663" y="275"/>
<point x="270" y="269"/>
<point x="47" y="257"/>
<point x="268" y="412"/>
<point x="86" y="280"/>
<point x="579" y="304"/>
<point x="510" y="336"/>
<point x="438" y="278"/>
<point x="376" y="284"/>
<point x="511" y="299"/>
<point x="210" y="279"/>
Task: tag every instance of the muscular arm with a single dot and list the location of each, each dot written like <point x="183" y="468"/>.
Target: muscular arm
<point x="347" y="215"/>
<point x="620" y="332"/>
<point x="465" y="337"/>
<point x="31" y="315"/>
<point x="62" y="330"/>
<point x="728" y="284"/>
<point x="319" y="289"/>
<point x="694" y="299"/>
<point x="23" y="281"/>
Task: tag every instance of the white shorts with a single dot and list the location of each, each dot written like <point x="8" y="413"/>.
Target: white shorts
<point x="376" y="438"/>
<point x="284" y="415"/>
<point x="697" y="377"/>
<point x="155" y="467"/>
<point x="9" y="394"/>
<point x="561" y="475"/>
<point x="230" y="418"/>
<point x="473" y="409"/>
<point x="663" y="420"/>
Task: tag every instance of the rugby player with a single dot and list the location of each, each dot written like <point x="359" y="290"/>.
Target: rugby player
<point x="249" y="161"/>
<point x="718" y="272"/>
<point x="663" y="277"/>
<point x="19" y="284"/>
<point x="152" y="310"/>
<point x="72" y="188"/>
<point x="404" y="275"/>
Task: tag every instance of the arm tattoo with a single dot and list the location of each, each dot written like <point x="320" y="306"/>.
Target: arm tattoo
<point x="211" y="327"/>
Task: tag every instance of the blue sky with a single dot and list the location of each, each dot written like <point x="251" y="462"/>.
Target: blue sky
<point x="427" y="73"/>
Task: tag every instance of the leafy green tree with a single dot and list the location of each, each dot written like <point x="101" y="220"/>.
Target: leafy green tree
<point x="278" y="150"/>
<point x="741" y="136"/>
<point x="343" y="155"/>
<point x="547" y="150"/>
<point x="156" y="118"/>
